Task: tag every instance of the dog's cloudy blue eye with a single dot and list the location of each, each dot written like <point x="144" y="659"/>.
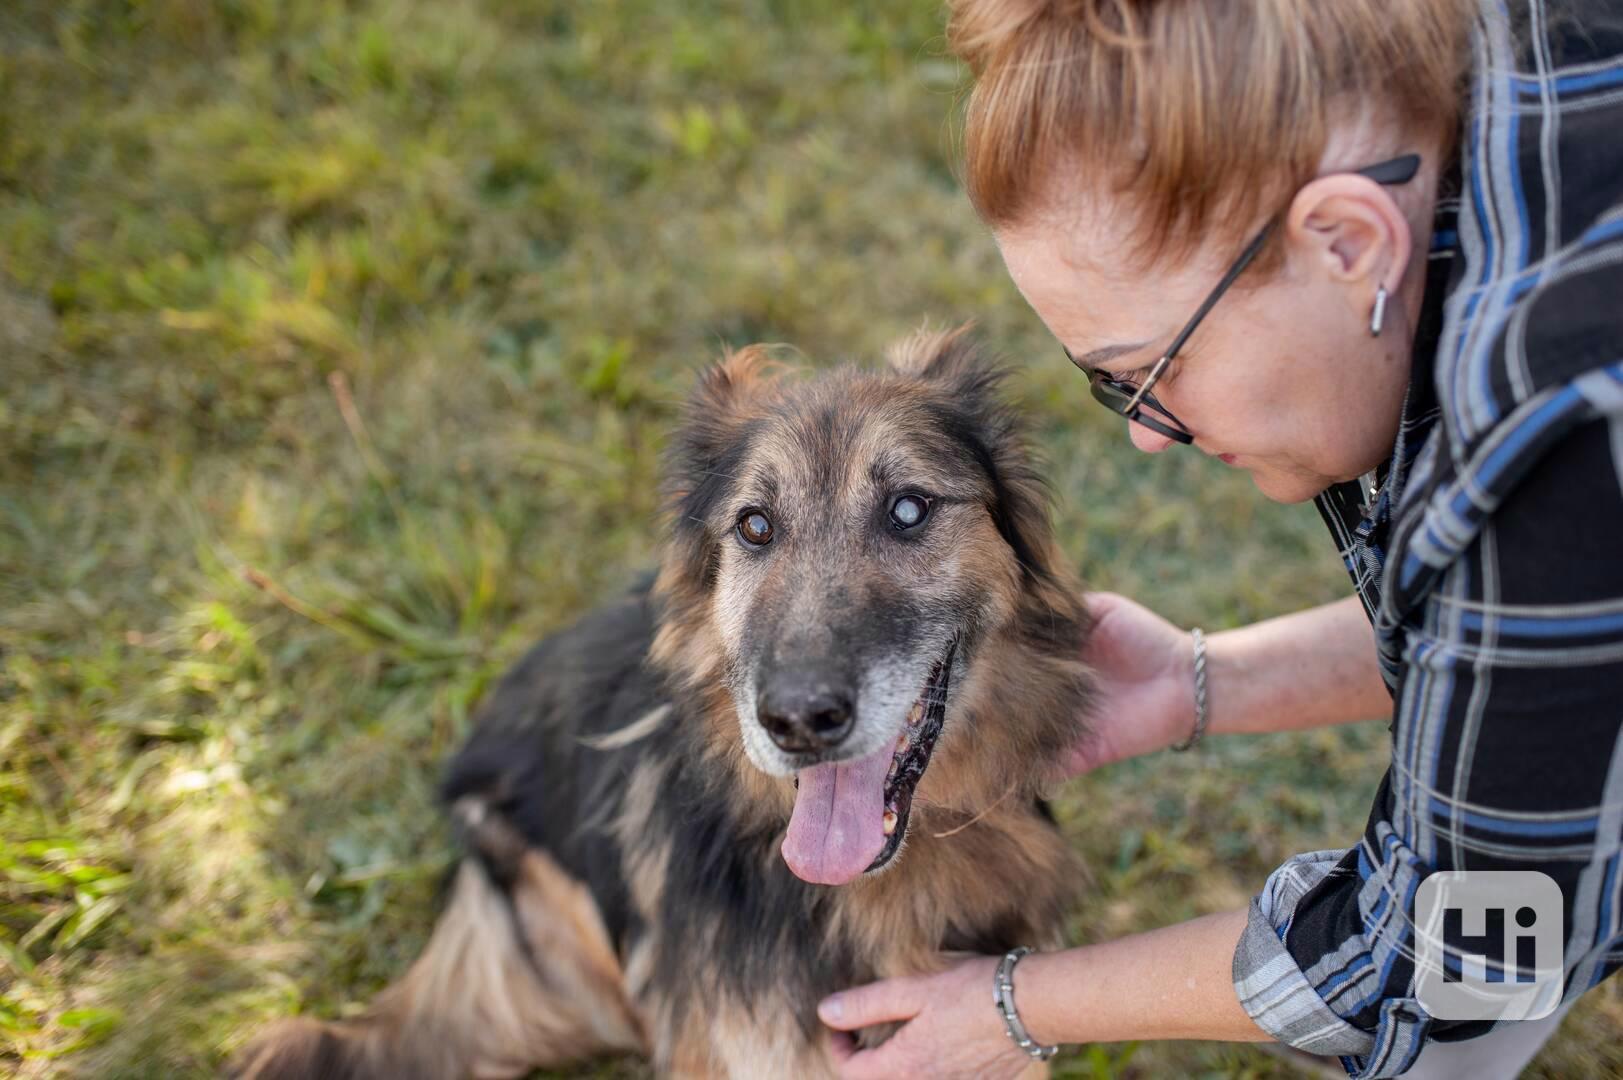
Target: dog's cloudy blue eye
<point x="754" y="528"/>
<point x="908" y="511"/>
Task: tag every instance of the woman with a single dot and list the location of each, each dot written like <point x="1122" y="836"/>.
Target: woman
<point x="1241" y="221"/>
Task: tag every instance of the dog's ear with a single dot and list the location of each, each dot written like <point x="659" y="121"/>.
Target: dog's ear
<point x="972" y="407"/>
<point x="726" y="397"/>
<point x="936" y="355"/>
<point x="709" y="443"/>
<point x="728" y="385"/>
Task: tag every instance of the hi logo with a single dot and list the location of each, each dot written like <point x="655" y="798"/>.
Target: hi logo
<point x="1489" y="945"/>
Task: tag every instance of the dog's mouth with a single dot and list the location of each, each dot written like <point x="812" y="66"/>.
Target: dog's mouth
<point x="850" y="817"/>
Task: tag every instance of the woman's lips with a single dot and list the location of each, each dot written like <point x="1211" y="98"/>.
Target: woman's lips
<point x="1227" y="459"/>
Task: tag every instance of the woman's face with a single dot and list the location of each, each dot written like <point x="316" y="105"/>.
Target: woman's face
<point x="1282" y="379"/>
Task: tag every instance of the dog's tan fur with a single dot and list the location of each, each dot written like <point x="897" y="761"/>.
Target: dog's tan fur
<point x="475" y="1004"/>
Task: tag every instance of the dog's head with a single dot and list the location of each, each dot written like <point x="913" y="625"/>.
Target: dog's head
<point x="861" y="569"/>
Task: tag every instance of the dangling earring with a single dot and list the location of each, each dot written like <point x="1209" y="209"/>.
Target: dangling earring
<point x="1377" y="318"/>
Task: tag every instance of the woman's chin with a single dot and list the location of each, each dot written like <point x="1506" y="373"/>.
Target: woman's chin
<point x="1284" y="486"/>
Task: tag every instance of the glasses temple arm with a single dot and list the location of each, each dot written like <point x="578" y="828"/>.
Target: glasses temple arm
<point x="1144" y="388"/>
<point x="1234" y="271"/>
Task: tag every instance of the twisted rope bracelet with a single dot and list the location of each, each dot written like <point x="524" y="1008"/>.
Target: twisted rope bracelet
<point x="1200" y="691"/>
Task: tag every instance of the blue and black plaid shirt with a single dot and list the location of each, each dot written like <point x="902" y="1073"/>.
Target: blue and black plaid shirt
<point x="1491" y="562"/>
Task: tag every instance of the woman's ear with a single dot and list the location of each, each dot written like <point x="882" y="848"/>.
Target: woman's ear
<point x="1352" y="228"/>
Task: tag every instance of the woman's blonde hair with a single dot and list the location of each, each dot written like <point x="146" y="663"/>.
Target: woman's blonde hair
<point x="1207" y="114"/>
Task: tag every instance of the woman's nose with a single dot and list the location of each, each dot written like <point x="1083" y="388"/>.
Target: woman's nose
<point x="1145" y="439"/>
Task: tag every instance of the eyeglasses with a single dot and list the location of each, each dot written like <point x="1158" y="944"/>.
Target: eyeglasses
<point x="1136" y="403"/>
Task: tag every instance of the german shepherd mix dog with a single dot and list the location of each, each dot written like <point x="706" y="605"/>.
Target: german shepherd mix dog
<point x="807" y="756"/>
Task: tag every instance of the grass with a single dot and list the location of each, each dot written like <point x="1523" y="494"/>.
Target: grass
<point x="339" y="338"/>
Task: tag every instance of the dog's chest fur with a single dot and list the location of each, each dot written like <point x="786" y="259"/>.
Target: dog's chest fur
<point x="585" y="753"/>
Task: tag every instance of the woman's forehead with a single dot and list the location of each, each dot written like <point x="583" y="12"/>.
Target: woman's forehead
<point x="1090" y="304"/>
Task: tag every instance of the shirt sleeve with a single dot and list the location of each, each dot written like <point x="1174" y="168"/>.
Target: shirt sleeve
<point x="1506" y="755"/>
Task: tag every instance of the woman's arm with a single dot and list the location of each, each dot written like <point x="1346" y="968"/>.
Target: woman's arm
<point x="1306" y="670"/>
<point x="1171" y="983"/>
<point x="1310" y="669"/>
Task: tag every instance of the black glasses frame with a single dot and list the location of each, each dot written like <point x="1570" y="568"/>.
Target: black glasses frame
<point x="1134" y="402"/>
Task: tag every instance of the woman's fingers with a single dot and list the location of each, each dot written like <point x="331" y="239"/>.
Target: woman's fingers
<point x="854" y="1063"/>
<point x="844" y="1046"/>
<point x="865" y="1006"/>
<point x="878" y="1064"/>
<point x="1100" y="602"/>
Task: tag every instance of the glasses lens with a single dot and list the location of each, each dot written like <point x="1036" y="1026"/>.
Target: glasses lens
<point x="1111" y="395"/>
<point x="1118" y="396"/>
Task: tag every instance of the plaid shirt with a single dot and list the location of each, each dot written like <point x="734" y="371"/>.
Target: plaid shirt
<point x="1491" y="563"/>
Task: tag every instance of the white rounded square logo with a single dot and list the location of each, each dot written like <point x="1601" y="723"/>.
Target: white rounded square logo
<point x="1489" y="944"/>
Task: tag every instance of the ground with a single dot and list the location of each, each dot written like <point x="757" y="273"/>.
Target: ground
<point x="339" y="341"/>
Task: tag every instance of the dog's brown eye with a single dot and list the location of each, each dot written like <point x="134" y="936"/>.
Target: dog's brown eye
<point x="908" y="511"/>
<point x="754" y="528"/>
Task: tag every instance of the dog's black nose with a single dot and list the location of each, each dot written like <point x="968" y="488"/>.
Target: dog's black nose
<point x="805" y="712"/>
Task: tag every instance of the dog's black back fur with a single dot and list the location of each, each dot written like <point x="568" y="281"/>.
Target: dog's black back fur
<point x="525" y="759"/>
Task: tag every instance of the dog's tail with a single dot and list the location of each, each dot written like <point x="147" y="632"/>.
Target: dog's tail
<point x="514" y="978"/>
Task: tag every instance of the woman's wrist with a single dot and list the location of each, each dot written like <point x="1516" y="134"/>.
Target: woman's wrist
<point x="1310" y="669"/>
<point x="1009" y="1010"/>
<point x="1170" y="983"/>
<point x="1035" y="979"/>
<point x="1198" y="691"/>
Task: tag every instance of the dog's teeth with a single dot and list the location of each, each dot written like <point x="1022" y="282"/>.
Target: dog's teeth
<point x="895" y="767"/>
<point x="901" y="745"/>
<point x="890" y="822"/>
<point x="915" y="714"/>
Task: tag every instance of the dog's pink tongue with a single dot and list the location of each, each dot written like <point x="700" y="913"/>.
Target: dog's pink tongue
<point x="837" y="828"/>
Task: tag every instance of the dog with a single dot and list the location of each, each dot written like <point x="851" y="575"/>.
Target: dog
<point x="808" y="753"/>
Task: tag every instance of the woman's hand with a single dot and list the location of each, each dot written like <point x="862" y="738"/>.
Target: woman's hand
<point x="1146" y="678"/>
<point x="951" y="1028"/>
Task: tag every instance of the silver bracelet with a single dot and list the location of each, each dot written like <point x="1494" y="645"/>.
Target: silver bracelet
<point x="1200" y="692"/>
<point x="1003" y="998"/>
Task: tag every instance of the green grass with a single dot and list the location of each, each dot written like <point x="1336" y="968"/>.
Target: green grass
<point x="339" y="340"/>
